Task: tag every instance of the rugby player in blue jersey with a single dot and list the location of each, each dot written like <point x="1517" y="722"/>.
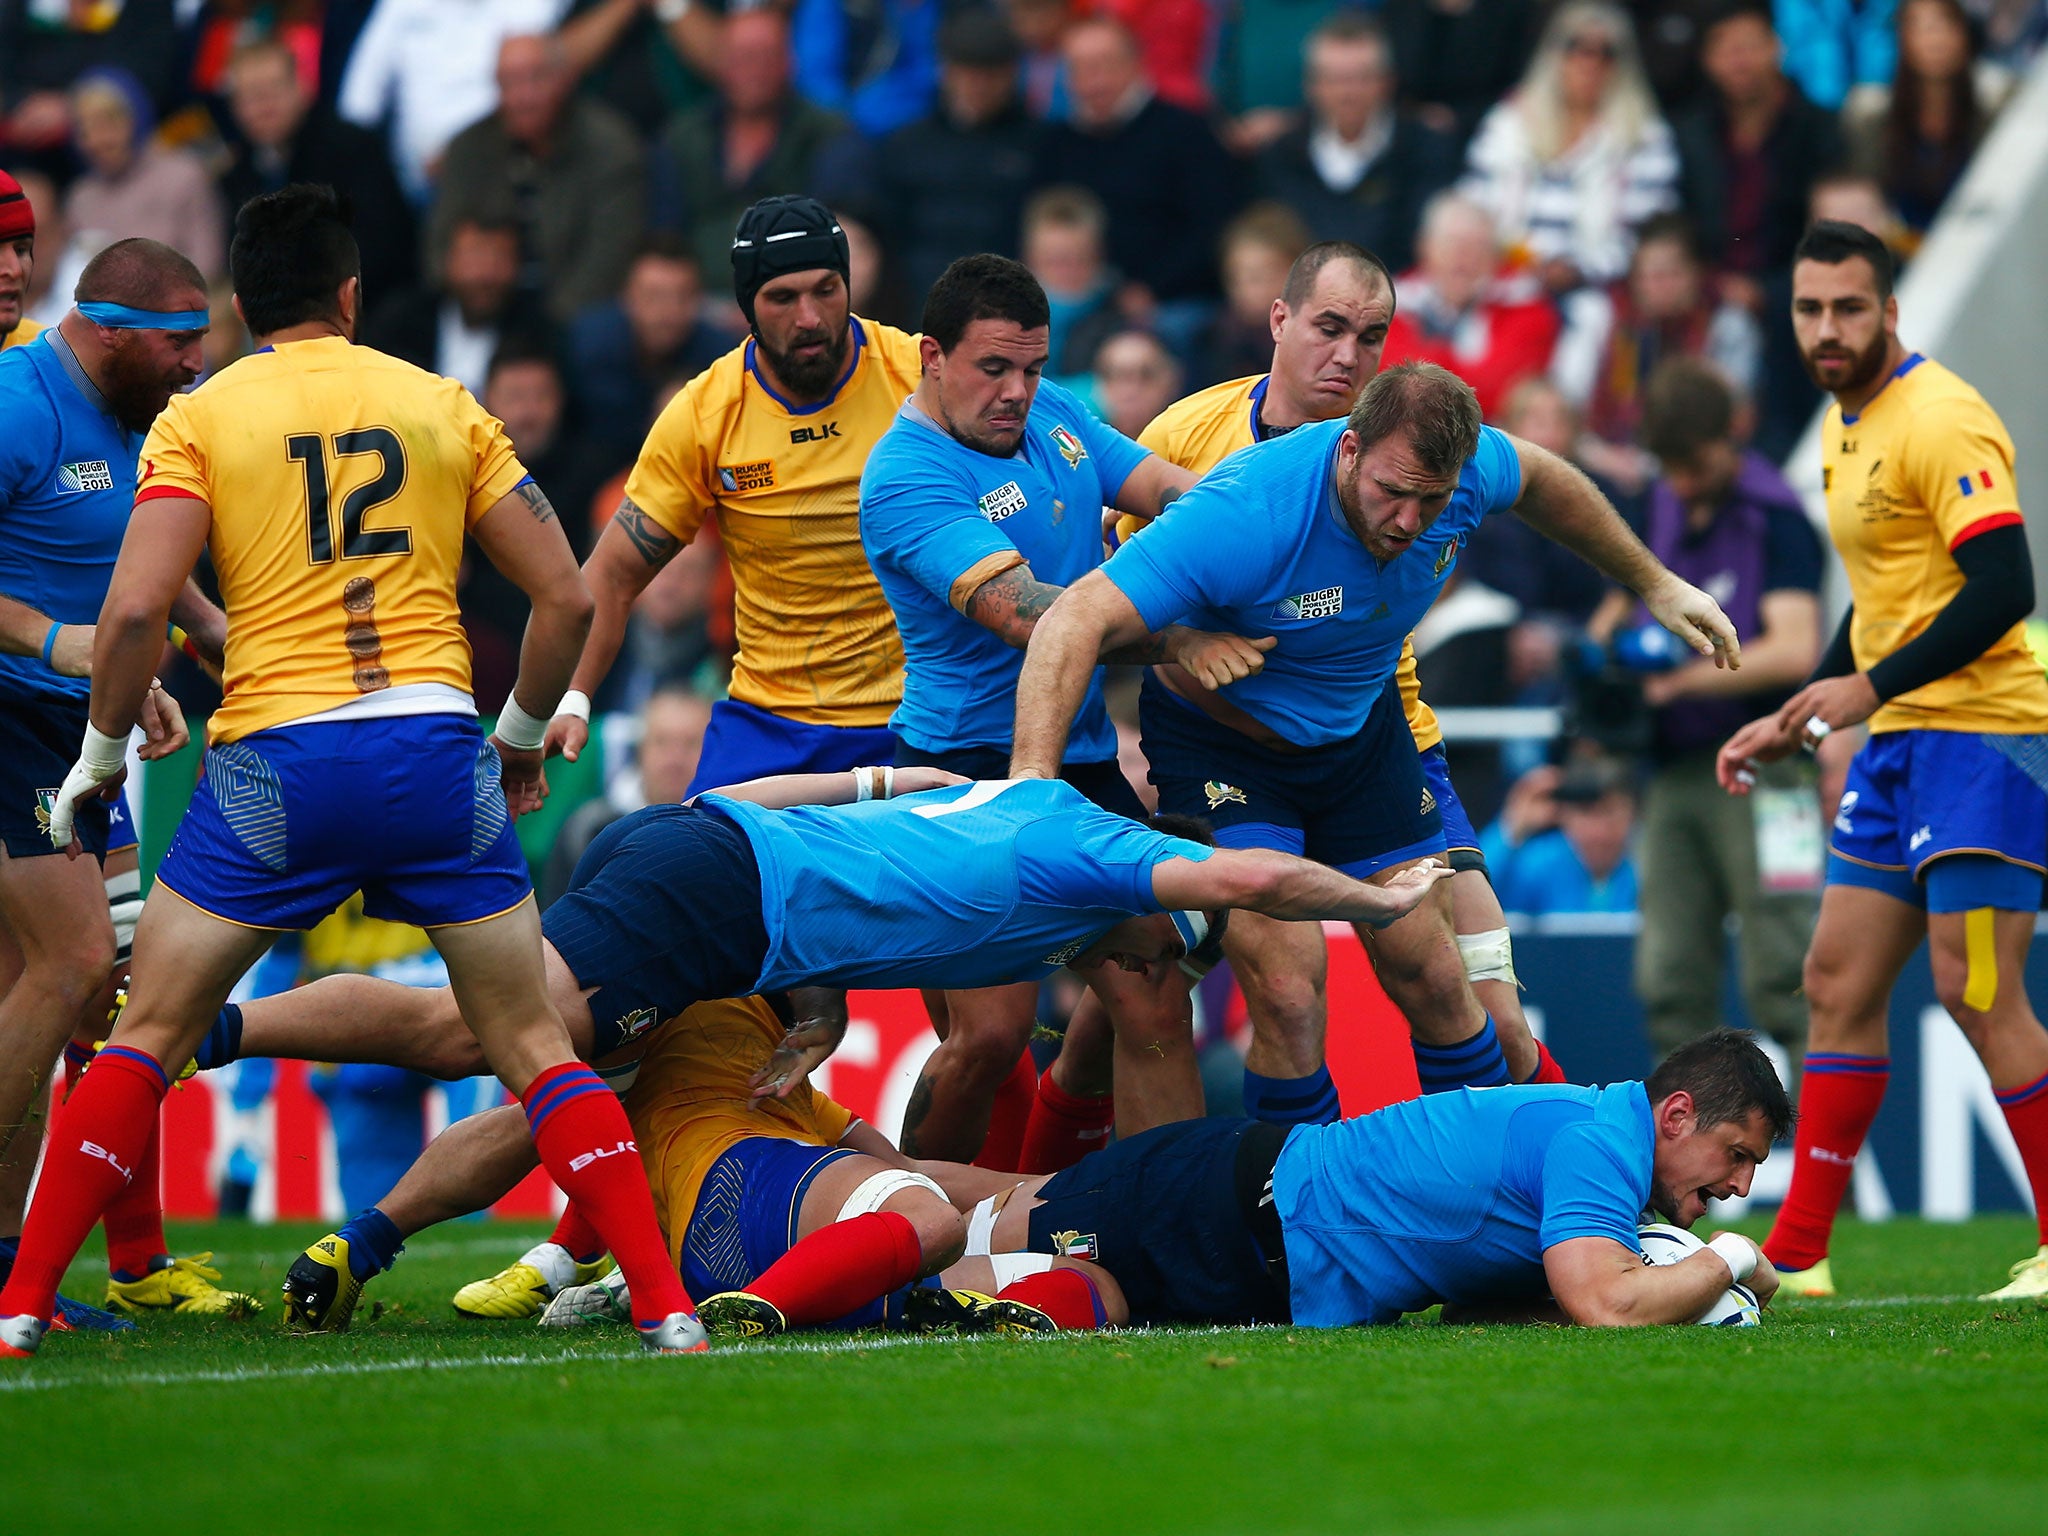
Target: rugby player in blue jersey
<point x="976" y="508"/>
<point x="1328" y="545"/>
<point x="1499" y="1203"/>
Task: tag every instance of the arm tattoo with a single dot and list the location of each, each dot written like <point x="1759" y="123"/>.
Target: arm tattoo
<point x="1168" y="499"/>
<point x="536" y="499"/>
<point x="655" y="544"/>
<point x="913" y="1117"/>
<point x="1145" y="652"/>
<point x="1011" y="603"/>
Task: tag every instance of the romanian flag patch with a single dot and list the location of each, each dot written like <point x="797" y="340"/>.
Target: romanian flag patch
<point x="1970" y="483"/>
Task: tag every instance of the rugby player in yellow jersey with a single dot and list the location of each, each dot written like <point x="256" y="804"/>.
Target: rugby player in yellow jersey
<point x="1944" y="820"/>
<point x="768" y="443"/>
<point x="17" y="262"/>
<point x="1329" y="325"/>
<point x="332" y="487"/>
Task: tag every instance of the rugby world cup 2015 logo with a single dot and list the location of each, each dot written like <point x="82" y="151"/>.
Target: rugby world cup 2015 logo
<point x="85" y="475"/>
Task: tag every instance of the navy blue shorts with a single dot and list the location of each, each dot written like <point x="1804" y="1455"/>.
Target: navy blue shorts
<point x="1461" y="842"/>
<point x="1359" y="805"/>
<point x="39" y="741"/>
<point x="746" y="1215"/>
<point x="1182" y="1215"/>
<point x="120" y="823"/>
<point x="1104" y="783"/>
<point x="289" y="823"/>
<point x="745" y="741"/>
<point x="1944" y="820"/>
<point x="663" y="912"/>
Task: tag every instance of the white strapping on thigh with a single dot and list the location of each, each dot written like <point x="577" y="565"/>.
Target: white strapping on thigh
<point x="1012" y="1267"/>
<point x="877" y="1188"/>
<point x="981" y="1227"/>
<point x="1489" y="956"/>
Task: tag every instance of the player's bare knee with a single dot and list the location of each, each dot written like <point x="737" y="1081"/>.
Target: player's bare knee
<point x="941" y="1229"/>
<point x="77" y="972"/>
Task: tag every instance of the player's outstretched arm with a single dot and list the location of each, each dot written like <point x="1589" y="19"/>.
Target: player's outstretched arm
<point x="1153" y="486"/>
<point x="1088" y="619"/>
<point x="525" y="542"/>
<point x="1283" y="886"/>
<point x="25" y="631"/>
<point x="1559" y="502"/>
<point x="1601" y="1283"/>
<point x="779" y="791"/>
<point x="629" y="554"/>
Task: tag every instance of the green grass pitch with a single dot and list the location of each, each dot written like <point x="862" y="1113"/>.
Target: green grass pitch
<point x="1905" y="1408"/>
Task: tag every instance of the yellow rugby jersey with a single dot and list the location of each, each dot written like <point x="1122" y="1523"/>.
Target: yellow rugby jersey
<point x="817" y="642"/>
<point x="341" y="482"/>
<point x="25" y="331"/>
<point x="689" y="1103"/>
<point x="1200" y="432"/>
<point x="1923" y="467"/>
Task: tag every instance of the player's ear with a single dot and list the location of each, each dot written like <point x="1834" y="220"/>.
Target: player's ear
<point x="1674" y="1114"/>
<point x="350" y="299"/>
<point x="928" y="354"/>
<point x="1276" y="319"/>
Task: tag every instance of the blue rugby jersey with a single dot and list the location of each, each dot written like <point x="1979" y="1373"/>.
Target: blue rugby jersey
<point x="1260" y="547"/>
<point x="970" y="886"/>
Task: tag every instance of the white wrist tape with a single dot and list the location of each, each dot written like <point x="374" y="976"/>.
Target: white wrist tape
<point x="874" y="1190"/>
<point x="575" y="702"/>
<point x="102" y="755"/>
<point x="516" y="728"/>
<point x="1737" y="1252"/>
<point x="1489" y="956"/>
<point x="873" y="784"/>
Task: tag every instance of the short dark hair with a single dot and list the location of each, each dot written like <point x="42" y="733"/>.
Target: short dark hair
<point x="983" y="288"/>
<point x="292" y="251"/>
<point x="1308" y="266"/>
<point x="520" y="349"/>
<point x="1729" y="1079"/>
<point x="664" y="245"/>
<point x="1834" y="241"/>
<point x="1687" y="406"/>
<point x="1672" y="228"/>
<point x="1435" y="407"/>
<point x="143" y="274"/>
<point x="1350" y="25"/>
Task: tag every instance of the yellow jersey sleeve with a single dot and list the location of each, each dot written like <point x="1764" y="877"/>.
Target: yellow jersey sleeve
<point x="829" y="1118"/>
<point x="669" y="481"/>
<point x="174" y="462"/>
<point x="25" y="331"/>
<point x="1959" y="465"/>
<point x="498" y="470"/>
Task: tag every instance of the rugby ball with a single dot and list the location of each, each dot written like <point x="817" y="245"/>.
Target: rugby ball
<point x="1663" y="1244"/>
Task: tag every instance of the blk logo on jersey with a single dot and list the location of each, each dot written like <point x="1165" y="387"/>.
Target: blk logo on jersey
<point x="1069" y="446"/>
<point x="1326" y="604"/>
<point x="757" y="476"/>
<point x="1006" y="500"/>
<point x="85" y="475"/>
<point x="814" y="434"/>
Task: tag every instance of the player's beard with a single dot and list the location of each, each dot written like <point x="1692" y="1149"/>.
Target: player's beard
<point x="809" y="378"/>
<point x="1865" y="366"/>
<point x="136" y="391"/>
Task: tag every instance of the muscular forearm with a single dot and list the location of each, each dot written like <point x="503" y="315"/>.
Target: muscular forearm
<point x="555" y="637"/>
<point x="1560" y="502"/>
<point x="1293" y="889"/>
<point x="22" y="628"/>
<point x="204" y="624"/>
<point x="125" y="648"/>
<point x="1058" y="664"/>
<point x="611" y="611"/>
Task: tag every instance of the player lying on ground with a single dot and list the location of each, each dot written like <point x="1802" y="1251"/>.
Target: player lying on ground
<point x="1941" y="827"/>
<point x="1326" y="547"/>
<point x="1491" y="1200"/>
<point x="963" y="886"/>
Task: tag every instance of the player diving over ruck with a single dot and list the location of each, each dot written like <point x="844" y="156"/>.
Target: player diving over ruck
<point x="966" y="886"/>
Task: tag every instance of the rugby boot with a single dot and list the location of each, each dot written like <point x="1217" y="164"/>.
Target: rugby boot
<point x="601" y="1301"/>
<point x="320" y="1291"/>
<point x="941" y="1311"/>
<point x="1814" y="1283"/>
<point x="2029" y="1280"/>
<point x="680" y="1333"/>
<point x="181" y="1285"/>
<point x="525" y="1288"/>
<point x="21" y="1337"/>
<point x="742" y="1315"/>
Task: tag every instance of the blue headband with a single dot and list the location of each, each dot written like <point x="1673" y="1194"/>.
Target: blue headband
<point x="120" y="317"/>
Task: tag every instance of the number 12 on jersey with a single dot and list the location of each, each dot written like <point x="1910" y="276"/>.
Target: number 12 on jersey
<point x="310" y="450"/>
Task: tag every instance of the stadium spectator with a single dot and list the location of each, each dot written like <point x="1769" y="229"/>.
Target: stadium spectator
<point x="954" y="183"/>
<point x="424" y="70"/>
<point x="134" y="186"/>
<point x="1860" y="200"/>
<point x="1360" y="168"/>
<point x="875" y="62"/>
<point x="1459" y="308"/>
<point x="1259" y="248"/>
<point x="1457" y="58"/>
<point x="1917" y="135"/>
<point x="58" y="260"/>
<point x="1177" y="42"/>
<point x="757" y="139"/>
<point x="1577" y="156"/>
<point x="1668" y="33"/>
<point x="622" y="350"/>
<point x="1065" y="231"/>
<point x="645" y="61"/>
<point x="453" y="327"/>
<point x="1136" y="378"/>
<point x="1158" y="168"/>
<point x="1613" y="341"/>
<point x="287" y="136"/>
<point x="45" y="50"/>
<point x="1039" y="25"/>
<point x="672" y="725"/>
<point x="1724" y="517"/>
<point x="2013" y="30"/>
<point x="1833" y="46"/>
<point x="1562" y="841"/>
<point x="566" y="171"/>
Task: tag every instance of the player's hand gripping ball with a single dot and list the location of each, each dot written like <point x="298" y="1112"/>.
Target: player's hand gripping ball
<point x="1737" y="1307"/>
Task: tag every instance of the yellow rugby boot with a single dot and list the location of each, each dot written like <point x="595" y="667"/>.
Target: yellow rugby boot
<point x="320" y="1291"/>
<point x="1816" y="1282"/>
<point x="523" y="1289"/>
<point x="742" y="1315"/>
<point x="2029" y="1281"/>
<point x="181" y="1285"/>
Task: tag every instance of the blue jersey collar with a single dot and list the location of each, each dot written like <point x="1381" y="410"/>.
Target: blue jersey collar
<point x="74" y="370"/>
<point x="852" y="362"/>
<point x="1913" y="360"/>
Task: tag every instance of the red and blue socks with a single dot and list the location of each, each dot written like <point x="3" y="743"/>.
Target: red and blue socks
<point x="1838" y="1099"/>
<point x="587" y="1145"/>
<point x="97" y="1141"/>
<point x="1064" y="1127"/>
<point x="135" y="1221"/>
<point x="840" y="1269"/>
<point x="1067" y="1296"/>
<point x="374" y="1243"/>
<point x="1476" y="1062"/>
<point x="1008" y="1117"/>
<point x="2026" y="1116"/>
<point x="576" y="1236"/>
<point x="1310" y="1100"/>
<point x="1547" y="1069"/>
